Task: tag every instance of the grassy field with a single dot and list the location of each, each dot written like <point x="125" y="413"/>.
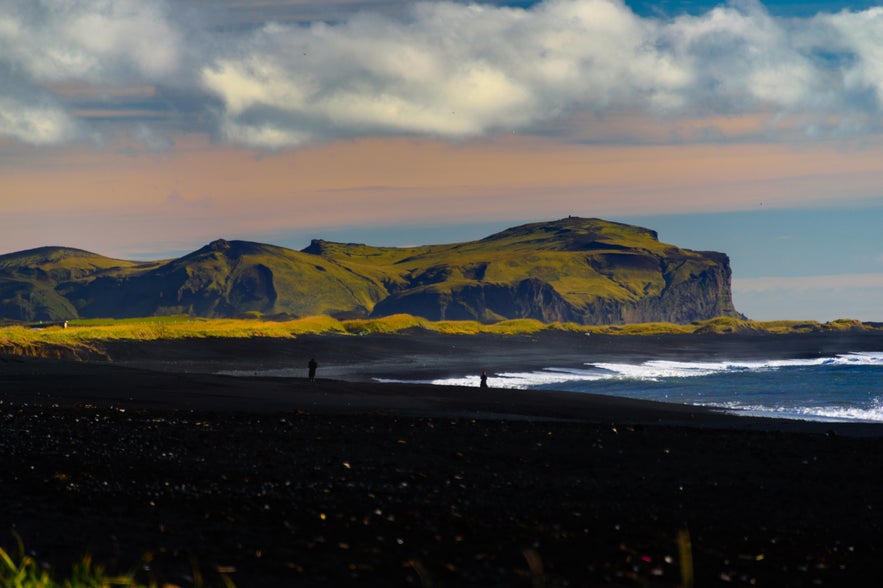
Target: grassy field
<point x="86" y="335"/>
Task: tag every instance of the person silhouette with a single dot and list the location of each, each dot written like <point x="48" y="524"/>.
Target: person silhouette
<point x="484" y="379"/>
<point x="311" y="369"/>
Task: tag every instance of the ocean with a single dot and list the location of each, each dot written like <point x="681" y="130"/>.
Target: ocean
<point x="841" y="388"/>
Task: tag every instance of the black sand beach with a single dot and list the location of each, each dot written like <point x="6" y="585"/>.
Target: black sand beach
<point x="153" y="462"/>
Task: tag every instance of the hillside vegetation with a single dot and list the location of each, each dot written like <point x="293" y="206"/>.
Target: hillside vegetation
<point x="584" y="271"/>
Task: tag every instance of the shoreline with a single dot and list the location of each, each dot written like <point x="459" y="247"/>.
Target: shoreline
<point x="65" y="384"/>
<point x="351" y="368"/>
<point x="430" y="355"/>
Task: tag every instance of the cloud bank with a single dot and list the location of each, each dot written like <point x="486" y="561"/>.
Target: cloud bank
<point x="437" y="69"/>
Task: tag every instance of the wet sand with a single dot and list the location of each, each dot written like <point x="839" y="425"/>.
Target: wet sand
<point x="154" y="462"/>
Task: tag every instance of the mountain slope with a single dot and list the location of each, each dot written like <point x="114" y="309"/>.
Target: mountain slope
<point x="580" y="270"/>
<point x="32" y="282"/>
<point x="232" y="278"/>
<point x="588" y="271"/>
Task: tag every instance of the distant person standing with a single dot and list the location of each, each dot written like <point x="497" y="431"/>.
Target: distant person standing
<point x="311" y="369"/>
<point x="484" y="379"/>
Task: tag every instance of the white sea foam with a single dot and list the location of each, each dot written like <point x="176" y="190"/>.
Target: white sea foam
<point x="860" y="358"/>
<point x="661" y="369"/>
<point x="513" y="380"/>
<point x="776" y="394"/>
<point x="653" y="370"/>
<point x="656" y="370"/>
<point x="872" y="414"/>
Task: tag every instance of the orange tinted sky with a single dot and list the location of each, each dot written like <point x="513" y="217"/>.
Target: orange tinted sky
<point x="120" y="205"/>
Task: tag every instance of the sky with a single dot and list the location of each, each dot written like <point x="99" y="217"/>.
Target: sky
<point x="144" y="129"/>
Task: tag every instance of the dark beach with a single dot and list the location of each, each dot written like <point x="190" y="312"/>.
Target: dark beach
<point x="153" y="462"/>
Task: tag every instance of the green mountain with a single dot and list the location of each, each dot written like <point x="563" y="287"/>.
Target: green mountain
<point x="33" y="282"/>
<point x="587" y="271"/>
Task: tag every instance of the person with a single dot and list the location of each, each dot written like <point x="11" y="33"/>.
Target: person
<point x="484" y="379"/>
<point x="311" y="367"/>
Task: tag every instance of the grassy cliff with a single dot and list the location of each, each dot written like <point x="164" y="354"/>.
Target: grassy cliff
<point x="586" y="271"/>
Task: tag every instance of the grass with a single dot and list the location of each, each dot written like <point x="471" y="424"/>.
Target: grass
<point x="20" y="570"/>
<point x="390" y="324"/>
<point x="23" y="571"/>
<point x="83" y="337"/>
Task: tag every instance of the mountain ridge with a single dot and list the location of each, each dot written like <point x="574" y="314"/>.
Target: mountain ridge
<point x="588" y="271"/>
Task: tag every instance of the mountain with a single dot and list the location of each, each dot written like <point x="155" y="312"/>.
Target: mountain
<point x="586" y="271"/>
<point x="32" y="282"/>
<point x="229" y="279"/>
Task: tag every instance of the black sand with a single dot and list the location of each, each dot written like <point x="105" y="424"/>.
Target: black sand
<point x="278" y="482"/>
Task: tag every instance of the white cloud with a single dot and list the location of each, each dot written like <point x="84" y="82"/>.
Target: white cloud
<point x="859" y="37"/>
<point x="740" y="57"/>
<point x="131" y="33"/>
<point x="449" y="70"/>
<point x="40" y="123"/>
<point x="454" y="70"/>
<point x="443" y="69"/>
<point x="33" y="115"/>
<point x="107" y="43"/>
<point x="99" y="41"/>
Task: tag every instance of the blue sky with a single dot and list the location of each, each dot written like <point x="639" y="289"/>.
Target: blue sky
<point x="145" y="129"/>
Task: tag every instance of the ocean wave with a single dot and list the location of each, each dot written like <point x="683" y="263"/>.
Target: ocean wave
<point x="660" y="369"/>
<point x="657" y="370"/>
<point x="869" y="414"/>
<point x="834" y="388"/>
<point x="860" y="358"/>
<point x="653" y="371"/>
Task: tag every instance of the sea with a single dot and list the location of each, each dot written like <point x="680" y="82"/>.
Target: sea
<point x="840" y="388"/>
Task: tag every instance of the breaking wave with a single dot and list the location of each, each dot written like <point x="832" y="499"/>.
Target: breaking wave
<point x="837" y="388"/>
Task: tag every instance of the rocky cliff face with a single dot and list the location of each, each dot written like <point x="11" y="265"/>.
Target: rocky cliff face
<point x="706" y="295"/>
<point x="529" y="298"/>
<point x="585" y="271"/>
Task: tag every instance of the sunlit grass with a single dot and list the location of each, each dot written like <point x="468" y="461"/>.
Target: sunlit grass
<point x="23" y="571"/>
<point x="517" y="327"/>
<point x="148" y="329"/>
<point x="457" y="327"/>
<point x="685" y="553"/>
<point x="643" y="329"/>
<point x="389" y="324"/>
<point x="842" y="324"/>
<point x="20" y="570"/>
<point x="84" y="337"/>
<point x="726" y="324"/>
